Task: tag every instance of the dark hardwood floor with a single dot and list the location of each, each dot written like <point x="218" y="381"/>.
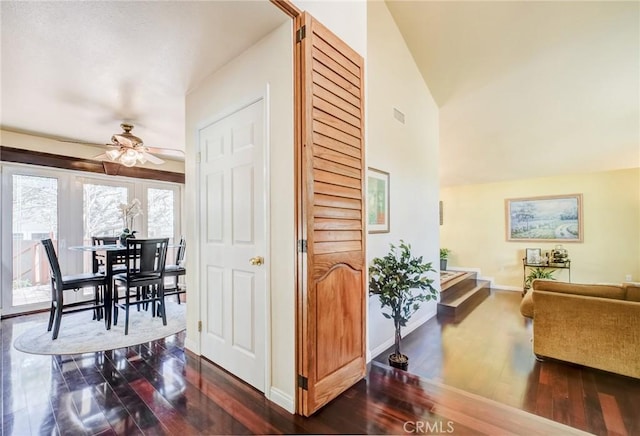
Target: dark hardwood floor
<point x="489" y="353"/>
<point x="158" y="388"/>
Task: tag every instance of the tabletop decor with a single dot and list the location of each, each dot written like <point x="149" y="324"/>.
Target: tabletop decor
<point x="129" y="212"/>
<point x="549" y="218"/>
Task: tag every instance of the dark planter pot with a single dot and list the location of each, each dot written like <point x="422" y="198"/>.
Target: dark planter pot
<point x="443" y="264"/>
<point x="125" y="236"/>
<point x="400" y="363"/>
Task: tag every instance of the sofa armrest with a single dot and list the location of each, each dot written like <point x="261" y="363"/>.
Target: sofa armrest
<point x="597" y="332"/>
<point x="526" y="305"/>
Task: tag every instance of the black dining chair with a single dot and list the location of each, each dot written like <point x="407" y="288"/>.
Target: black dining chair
<point x="60" y="283"/>
<point x="175" y="271"/>
<point x="144" y="278"/>
<point x="99" y="260"/>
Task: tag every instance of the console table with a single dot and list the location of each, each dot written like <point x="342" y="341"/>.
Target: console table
<point x="566" y="265"/>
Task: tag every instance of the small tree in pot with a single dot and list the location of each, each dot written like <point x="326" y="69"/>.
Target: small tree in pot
<point x="399" y="281"/>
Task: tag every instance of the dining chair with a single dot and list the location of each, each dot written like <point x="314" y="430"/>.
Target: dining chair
<point x="175" y="271"/>
<point x="99" y="260"/>
<point x="60" y="283"/>
<point x="144" y="275"/>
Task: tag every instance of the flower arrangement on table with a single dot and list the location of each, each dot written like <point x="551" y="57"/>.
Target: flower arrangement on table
<point x="129" y="213"/>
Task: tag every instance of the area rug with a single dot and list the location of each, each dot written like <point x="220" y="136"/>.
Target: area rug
<point x="80" y="334"/>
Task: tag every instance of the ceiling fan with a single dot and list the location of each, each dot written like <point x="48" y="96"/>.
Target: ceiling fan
<point x="129" y="149"/>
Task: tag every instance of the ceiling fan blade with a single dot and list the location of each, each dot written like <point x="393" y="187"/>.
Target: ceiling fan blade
<point x="166" y="151"/>
<point x="153" y="159"/>
<point x="100" y="156"/>
<point x="94" y="144"/>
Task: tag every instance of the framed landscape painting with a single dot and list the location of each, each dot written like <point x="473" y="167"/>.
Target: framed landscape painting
<point x="377" y="201"/>
<point x="556" y="218"/>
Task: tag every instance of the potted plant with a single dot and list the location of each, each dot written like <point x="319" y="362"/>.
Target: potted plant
<point x="444" y="255"/>
<point x="538" y="273"/>
<point x="129" y="212"/>
<point x="400" y="282"/>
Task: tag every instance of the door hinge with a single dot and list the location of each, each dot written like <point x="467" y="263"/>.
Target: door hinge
<point x="302" y="245"/>
<point x="199" y="326"/>
<point x="301" y="33"/>
<point x="303" y="382"/>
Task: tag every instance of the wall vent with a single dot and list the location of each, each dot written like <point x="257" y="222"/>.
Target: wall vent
<point x="398" y="115"/>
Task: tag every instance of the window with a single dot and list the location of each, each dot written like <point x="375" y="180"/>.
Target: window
<point x="101" y="212"/>
<point x="160" y="213"/>
<point x="34" y="217"/>
<point x="69" y="207"/>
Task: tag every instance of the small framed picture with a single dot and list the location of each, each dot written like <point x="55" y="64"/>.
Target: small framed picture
<point x="533" y="256"/>
<point x="378" y="201"/>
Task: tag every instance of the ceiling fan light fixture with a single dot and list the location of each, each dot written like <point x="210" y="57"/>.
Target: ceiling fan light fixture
<point x="113" y="154"/>
<point x="126" y="138"/>
<point x="128" y="150"/>
<point x="129" y="158"/>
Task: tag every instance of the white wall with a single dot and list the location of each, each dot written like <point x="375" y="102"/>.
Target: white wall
<point x="268" y="63"/>
<point x="408" y="152"/>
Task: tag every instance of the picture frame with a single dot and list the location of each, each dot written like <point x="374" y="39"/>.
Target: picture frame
<point x="378" y="201"/>
<point x="552" y="218"/>
<point x="532" y="256"/>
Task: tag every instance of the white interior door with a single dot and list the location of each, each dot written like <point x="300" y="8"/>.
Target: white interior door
<point x="232" y="236"/>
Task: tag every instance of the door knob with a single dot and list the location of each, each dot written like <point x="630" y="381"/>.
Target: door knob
<point x="258" y="260"/>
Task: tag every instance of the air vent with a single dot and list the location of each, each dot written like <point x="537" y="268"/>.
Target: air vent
<point x="398" y="115"/>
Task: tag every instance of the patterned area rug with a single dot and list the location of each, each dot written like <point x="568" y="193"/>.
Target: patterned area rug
<point x="80" y="334"/>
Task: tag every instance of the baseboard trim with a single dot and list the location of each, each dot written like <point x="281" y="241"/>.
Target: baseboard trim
<point x="405" y="331"/>
<point x="507" y="288"/>
<point x="192" y="346"/>
<point x="282" y="399"/>
<point x="459" y="268"/>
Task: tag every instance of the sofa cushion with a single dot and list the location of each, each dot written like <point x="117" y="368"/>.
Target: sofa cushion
<point x="632" y="291"/>
<point x="616" y="292"/>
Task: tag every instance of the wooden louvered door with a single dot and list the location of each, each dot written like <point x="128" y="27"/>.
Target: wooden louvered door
<point x="331" y="287"/>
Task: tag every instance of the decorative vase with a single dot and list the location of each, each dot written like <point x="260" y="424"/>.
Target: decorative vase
<point x="443" y="264"/>
<point x="400" y="362"/>
<point x="126" y="234"/>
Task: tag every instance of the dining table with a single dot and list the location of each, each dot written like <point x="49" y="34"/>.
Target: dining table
<point x="112" y="251"/>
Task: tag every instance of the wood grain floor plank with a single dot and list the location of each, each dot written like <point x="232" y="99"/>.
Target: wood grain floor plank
<point x="612" y="416"/>
<point x="158" y="388"/>
<point x="489" y="353"/>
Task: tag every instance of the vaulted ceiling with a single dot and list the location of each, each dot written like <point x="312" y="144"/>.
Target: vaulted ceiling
<point x="527" y="88"/>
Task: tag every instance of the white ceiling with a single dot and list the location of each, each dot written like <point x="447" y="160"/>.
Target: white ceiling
<point x="529" y="88"/>
<point x="76" y="69"/>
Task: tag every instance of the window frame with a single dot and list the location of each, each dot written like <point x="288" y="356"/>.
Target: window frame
<point x="70" y="218"/>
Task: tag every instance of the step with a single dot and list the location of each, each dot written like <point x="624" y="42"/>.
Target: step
<point x="463" y="299"/>
<point x="463" y="277"/>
